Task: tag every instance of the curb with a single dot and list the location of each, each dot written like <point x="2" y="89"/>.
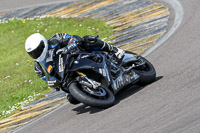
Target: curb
<point x="138" y="25"/>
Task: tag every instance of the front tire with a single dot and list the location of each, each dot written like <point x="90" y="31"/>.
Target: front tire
<point x="78" y="93"/>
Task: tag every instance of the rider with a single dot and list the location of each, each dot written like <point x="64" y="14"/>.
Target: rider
<point x="41" y="49"/>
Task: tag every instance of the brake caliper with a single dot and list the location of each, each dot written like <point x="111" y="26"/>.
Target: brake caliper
<point x="84" y="80"/>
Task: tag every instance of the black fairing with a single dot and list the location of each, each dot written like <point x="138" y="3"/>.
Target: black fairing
<point x="129" y="57"/>
<point x="96" y="64"/>
<point x="78" y="62"/>
<point x="85" y="61"/>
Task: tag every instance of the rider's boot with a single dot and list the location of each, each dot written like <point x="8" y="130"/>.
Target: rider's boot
<point x="72" y="100"/>
<point x="119" y="53"/>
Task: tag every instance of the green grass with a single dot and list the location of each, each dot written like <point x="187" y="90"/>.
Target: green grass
<point x="18" y="81"/>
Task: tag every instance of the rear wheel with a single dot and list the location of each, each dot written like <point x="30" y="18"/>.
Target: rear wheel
<point x="100" y="97"/>
<point x="146" y="72"/>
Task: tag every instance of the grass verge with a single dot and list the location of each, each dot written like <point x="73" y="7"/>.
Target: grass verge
<point x="19" y="85"/>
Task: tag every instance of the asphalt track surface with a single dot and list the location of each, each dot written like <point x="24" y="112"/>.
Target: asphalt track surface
<point x="171" y="104"/>
<point x="7" y="5"/>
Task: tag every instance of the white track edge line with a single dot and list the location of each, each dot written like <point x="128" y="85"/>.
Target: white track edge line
<point x="179" y="14"/>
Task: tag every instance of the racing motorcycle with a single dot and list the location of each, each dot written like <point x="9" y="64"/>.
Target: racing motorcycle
<point x="94" y="78"/>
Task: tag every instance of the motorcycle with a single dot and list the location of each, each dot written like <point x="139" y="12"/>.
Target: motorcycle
<point x="93" y="78"/>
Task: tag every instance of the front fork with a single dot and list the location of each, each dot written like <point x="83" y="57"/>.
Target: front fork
<point x="84" y="80"/>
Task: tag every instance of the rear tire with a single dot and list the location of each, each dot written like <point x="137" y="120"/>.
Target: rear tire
<point x="78" y="93"/>
<point x="147" y="73"/>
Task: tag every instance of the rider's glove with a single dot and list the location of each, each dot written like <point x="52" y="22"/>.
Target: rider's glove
<point x="70" y="48"/>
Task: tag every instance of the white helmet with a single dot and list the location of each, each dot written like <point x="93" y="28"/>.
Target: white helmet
<point x="36" y="46"/>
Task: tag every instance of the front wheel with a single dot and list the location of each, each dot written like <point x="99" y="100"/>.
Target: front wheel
<point x="146" y="72"/>
<point x="100" y="97"/>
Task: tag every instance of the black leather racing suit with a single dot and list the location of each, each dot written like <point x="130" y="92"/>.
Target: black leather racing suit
<point x="62" y="40"/>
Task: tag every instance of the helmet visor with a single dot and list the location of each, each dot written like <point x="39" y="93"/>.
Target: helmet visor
<point x="38" y="51"/>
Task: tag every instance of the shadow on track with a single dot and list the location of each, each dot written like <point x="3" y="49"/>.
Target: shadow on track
<point x="86" y="109"/>
<point x="124" y="93"/>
